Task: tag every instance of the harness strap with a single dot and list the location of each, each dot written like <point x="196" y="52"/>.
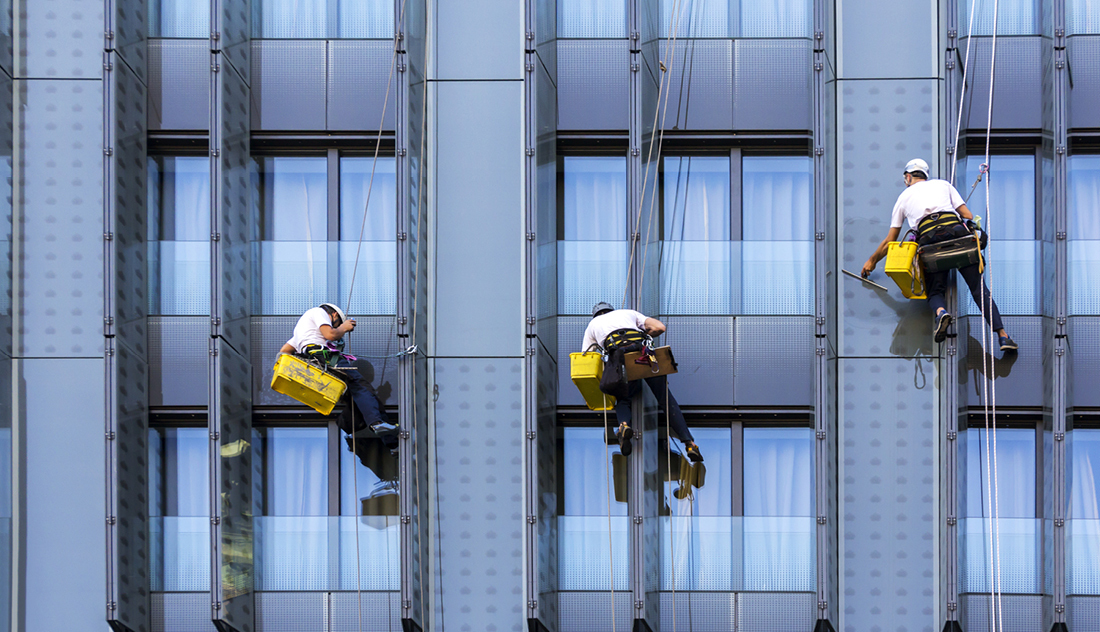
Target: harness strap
<point x="623" y="337"/>
<point x="937" y="221"/>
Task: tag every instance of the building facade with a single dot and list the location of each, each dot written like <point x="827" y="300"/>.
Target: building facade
<point x="186" y="178"/>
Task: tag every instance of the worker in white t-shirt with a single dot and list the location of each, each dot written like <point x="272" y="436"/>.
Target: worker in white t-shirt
<point x="319" y="335"/>
<point x="937" y="212"/>
<point x="607" y="320"/>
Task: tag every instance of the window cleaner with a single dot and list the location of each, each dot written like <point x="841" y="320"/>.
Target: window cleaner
<point x="939" y="217"/>
<point x="624" y="335"/>
<point x="315" y="349"/>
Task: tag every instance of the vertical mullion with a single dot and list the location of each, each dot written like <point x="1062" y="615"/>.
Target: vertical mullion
<point x="332" y="249"/>
<point x="736" y="208"/>
<point x="737" y="469"/>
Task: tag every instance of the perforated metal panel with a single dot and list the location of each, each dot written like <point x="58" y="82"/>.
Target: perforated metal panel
<point x="773" y="361"/>
<point x="1083" y="613"/>
<point x="179" y="84"/>
<point x="1083" y="52"/>
<point x="771" y="84"/>
<point x="62" y="160"/>
<point x="381" y="611"/>
<point x="760" y="611"/>
<point x="178" y="360"/>
<point x="587" y="611"/>
<point x="356" y="85"/>
<point x="570" y="335"/>
<point x="593" y="84"/>
<point x="699" y="612"/>
<point x="1018" y="94"/>
<point x="180" y="612"/>
<point x="288" y="84"/>
<point x="1019" y="376"/>
<point x="1021" y="613"/>
<point x="127" y="23"/>
<point x="704" y="349"/>
<point x="1084" y="334"/>
<point x="291" y="611"/>
<point x="699" y="85"/>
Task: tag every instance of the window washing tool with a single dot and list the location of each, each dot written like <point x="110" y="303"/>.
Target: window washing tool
<point x="867" y="281"/>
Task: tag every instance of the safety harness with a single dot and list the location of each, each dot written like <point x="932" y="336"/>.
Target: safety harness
<point x="946" y="243"/>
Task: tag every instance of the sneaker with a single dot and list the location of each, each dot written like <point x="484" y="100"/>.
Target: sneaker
<point x="1008" y="344"/>
<point x="939" y="330"/>
<point x="384" y="488"/>
<point x="694" y="454"/>
<point x="624" y="433"/>
<point x="382" y="426"/>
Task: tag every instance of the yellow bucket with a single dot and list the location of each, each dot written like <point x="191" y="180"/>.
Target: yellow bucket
<point x="586" y="369"/>
<point x="903" y="266"/>
<point x="296" y="378"/>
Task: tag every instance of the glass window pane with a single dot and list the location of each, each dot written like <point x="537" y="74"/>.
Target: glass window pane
<point x="697" y="18"/>
<point x="778" y="471"/>
<point x="179" y="19"/>
<point x="1084" y="197"/>
<point x="355" y="181"/>
<point x="1014" y="17"/>
<point x="179" y="509"/>
<point x="295" y="471"/>
<point x="1012" y="190"/>
<point x="707" y="488"/>
<point x="594" y="200"/>
<point x="776" y="18"/>
<point x="591" y="18"/>
<point x="1015" y="476"/>
<point x="293" y="198"/>
<point x="589" y="466"/>
<point x="1083" y="546"/>
<point x="368" y="478"/>
<point x="777" y="198"/>
<point x="365" y="19"/>
<point x="290" y="19"/>
<point x="179" y="235"/>
<point x="1082" y="17"/>
<point x="697" y="198"/>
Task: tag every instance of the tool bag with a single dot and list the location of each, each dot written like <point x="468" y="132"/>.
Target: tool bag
<point x="618" y="343"/>
<point x="946" y="243"/>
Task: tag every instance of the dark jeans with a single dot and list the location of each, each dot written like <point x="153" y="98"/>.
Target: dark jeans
<point x="937" y="285"/>
<point x="365" y="399"/>
<point x="659" y="387"/>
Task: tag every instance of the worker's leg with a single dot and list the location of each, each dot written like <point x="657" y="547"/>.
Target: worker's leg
<point x="368" y="405"/>
<point x="983" y="297"/>
<point x="935" y="287"/>
<point x="659" y="386"/>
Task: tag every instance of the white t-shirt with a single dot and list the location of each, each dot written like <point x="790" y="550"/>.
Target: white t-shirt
<point x="606" y="323"/>
<point x="924" y="198"/>
<point x="308" y="329"/>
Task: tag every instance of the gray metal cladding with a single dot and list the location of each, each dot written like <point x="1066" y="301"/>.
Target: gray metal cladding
<point x="570" y="334"/>
<point x="1018" y="94"/>
<point x="1083" y="52"/>
<point x="1019" y="376"/>
<point x="180" y="612"/>
<point x="179" y="84"/>
<point x="583" y="611"/>
<point x="699" y="85"/>
<point x="77" y="54"/>
<point x="706" y="351"/>
<point x="478" y="441"/>
<point x="356" y="85"/>
<point x="593" y="84"/>
<point x="179" y="369"/>
<point x="758" y="611"/>
<point x="1021" y="613"/>
<point x="62" y="194"/>
<point x="773" y="361"/>
<point x="381" y="611"/>
<point x="1084" y="369"/>
<point x="771" y="83"/>
<point x="126" y="27"/>
<point x="288" y="87"/>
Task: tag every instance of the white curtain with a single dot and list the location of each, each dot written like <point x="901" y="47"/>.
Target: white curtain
<point x="1084" y="234"/>
<point x="695" y="262"/>
<point x="366" y="19"/>
<point x="778" y="509"/>
<point x="294" y="253"/>
<point x="1014" y="17"/>
<point x="181" y="257"/>
<point x="179" y="19"/>
<point x="375" y="288"/>
<point x="698" y="18"/>
<point x="1084" y="513"/>
<point x="776" y="18"/>
<point x="291" y="19"/>
<point x="186" y="527"/>
<point x="592" y="258"/>
<point x="591" y="18"/>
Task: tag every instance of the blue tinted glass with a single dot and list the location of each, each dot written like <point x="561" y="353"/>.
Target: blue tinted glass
<point x="707" y="488"/>
<point x="1011" y="215"/>
<point x="290" y="19"/>
<point x="594" y="200"/>
<point x="1082" y="17"/>
<point x="179" y="235"/>
<point x="776" y="18"/>
<point x="365" y="19"/>
<point x="777" y="198"/>
<point x="696" y="18"/>
<point x="778" y="471"/>
<point x="1084" y="501"/>
<point x="179" y="18"/>
<point x="1015" y="476"/>
<point x="179" y="479"/>
<point x="1084" y="197"/>
<point x="355" y="184"/>
<point x="697" y="198"/>
<point x="590" y="466"/>
<point x="1014" y="17"/>
<point x="368" y="478"/>
<point x="294" y="199"/>
<point x="295" y="471"/>
<point x="591" y="18"/>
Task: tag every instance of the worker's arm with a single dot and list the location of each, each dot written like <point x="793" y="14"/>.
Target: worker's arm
<point x="654" y="327"/>
<point x="964" y="212"/>
<point x="287" y="348"/>
<point x="335" y="333"/>
<point x="880" y="252"/>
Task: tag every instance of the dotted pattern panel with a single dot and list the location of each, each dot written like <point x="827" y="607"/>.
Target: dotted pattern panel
<point x="128" y="22"/>
<point x="179" y="360"/>
<point x="1084" y="336"/>
<point x="1019" y="376"/>
<point x="6" y="215"/>
<point x="1083" y="613"/>
<point x="62" y="216"/>
<point x="700" y="554"/>
<point x="774" y="361"/>
<point x="180" y="612"/>
<point x="772" y="84"/>
<point x="381" y="611"/>
<point x="704" y="349"/>
<point x="888" y="550"/>
<point x="699" y="612"/>
<point x="589" y="611"/>
<point x="1022" y="613"/>
<point x="233" y="212"/>
<point x="63" y="40"/>
<point x="593" y="84"/>
<point x="128" y="206"/>
<point x="479" y="452"/>
<point x="356" y="85"/>
<point x="1084" y="261"/>
<point x="882" y="124"/>
<point x="179" y="84"/>
<point x="288" y="90"/>
<point x="1084" y="59"/>
<point x="760" y="612"/>
<point x="547" y="487"/>
<point x="291" y="611"/>
<point x="1020" y="557"/>
<point x="1018" y="98"/>
<point x="699" y="84"/>
<point x="570" y="334"/>
<point x="130" y="479"/>
<point x="234" y="24"/>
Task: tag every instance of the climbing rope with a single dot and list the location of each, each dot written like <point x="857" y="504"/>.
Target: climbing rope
<point x="610" y="539"/>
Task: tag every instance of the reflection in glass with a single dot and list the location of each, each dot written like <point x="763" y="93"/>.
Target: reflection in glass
<point x="696" y="198"/>
<point x="368" y="478"/>
<point x="1014" y="17"/>
<point x="594" y="199"/>
<point x="591" y="18"/>
<point x="179" y="235"/>
<point x="1012" y="496"/>
<point x="777" y="198"/>
<point x="321" y="19"/>
<point x="1012" y="190"/>
<point x="1084" y="233"/>
<point x="179" y="506"/>
<point x="294" y="462"/>
<point x="1083" y="542"/>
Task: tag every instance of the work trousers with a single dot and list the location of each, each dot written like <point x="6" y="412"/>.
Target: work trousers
<point x="937" y="285"/>
<point x="659" y="386"/>
<point x="365" y="400"/>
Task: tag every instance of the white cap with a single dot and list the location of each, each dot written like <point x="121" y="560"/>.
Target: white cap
<point x="916" y="164"/>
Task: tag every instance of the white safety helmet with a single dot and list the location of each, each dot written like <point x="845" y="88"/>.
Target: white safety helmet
<point x="339" y="312"/>
<point x="917" y="165"/>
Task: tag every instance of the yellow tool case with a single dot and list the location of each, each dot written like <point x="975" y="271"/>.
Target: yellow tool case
<point x="296" y="378"/>
<point x="586" y="369"/>
<point x="903" y="266"/>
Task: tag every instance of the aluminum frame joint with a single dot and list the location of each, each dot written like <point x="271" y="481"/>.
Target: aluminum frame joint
<point x="1059" y="436"/>
<point x="406" y="519"/>
<point x="952" y="435"/>
<point x="216" y="520"/>
<point x="823" y="605"/>
<point x="530" y="435"/>
<point x="1060" y="608"/>
<point x="407" y="604"/>
<point x="821" y="435"/>
<point x="821" y="520"/>
<point x="1059" y="522"/>
<point x="637" y="520"/>
<point x="111" y="520"/>
<point x="532" y="605"/>
<point x="952" y="606"/>
<point x="532" y="520"/>
<point x="639" y="604"/>
<point x="952" y="521"/>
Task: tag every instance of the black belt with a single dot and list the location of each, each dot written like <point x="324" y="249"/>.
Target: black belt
<point x="937" y="221"/>
<point x="622" y="338"/>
